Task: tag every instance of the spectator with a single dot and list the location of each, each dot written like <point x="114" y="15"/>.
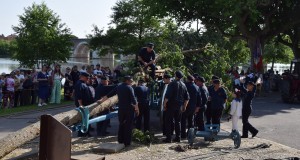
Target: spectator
<point x="83" y="69"/>
<point x="1" y="86"/>
<point x="8" y="91"/>
<point x="75" y="74"/>
<point x="19" y="79"/>
<point x="68" y="87"/>
<point x="27" y="88"/>
<point x="43" y="79"/>
<point x="56" y="87"/>
<point x="34" y="91"/>
<point x="98" y="71"/>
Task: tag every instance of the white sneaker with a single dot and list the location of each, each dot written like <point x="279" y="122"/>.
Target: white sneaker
<point x="39" y="105"/>
<point x="44" y="104"/>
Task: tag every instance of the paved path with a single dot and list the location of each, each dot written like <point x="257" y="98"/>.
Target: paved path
<point x="14" y="123"/>
<point x="276" y="120"/>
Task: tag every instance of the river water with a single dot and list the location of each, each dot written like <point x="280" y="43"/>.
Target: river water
<point x="7" y="65"/>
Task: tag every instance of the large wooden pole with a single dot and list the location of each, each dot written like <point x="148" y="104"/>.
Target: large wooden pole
<point x="20" y="137"/>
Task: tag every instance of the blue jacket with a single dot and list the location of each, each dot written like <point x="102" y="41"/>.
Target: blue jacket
<point x="195" y="97"/>
<point x="141" y="93"/>
<point x="125" y="95"/>
<point x="217" y="97"/>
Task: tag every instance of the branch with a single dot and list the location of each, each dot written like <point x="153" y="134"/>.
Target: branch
<point x="242" y="25"/>
<point x="281" y="29"/>
<point x="280" y="40"/>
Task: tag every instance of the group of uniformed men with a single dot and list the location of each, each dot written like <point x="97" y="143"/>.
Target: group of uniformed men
<point x="182" y="102"/>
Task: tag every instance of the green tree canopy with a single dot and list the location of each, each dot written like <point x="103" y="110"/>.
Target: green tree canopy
<point x="6" y="48"/>
<point x="255" y="21"/>
<point x="41" y="37"/>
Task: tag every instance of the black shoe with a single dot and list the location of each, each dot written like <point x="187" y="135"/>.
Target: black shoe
<point x="167" y="140"/>
<point x="183" y="137"/>
<point x="244" y="136"/>
<point x="177" y="139"/>
<point x="254" y="134"/>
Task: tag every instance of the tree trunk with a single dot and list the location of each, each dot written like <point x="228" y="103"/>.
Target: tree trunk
<point x="273" y="61"/>
<point x="18" y="138"/>
<point x="256" y="48"/>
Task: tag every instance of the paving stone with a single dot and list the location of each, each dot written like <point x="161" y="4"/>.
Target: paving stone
<point x="109" y="148"/>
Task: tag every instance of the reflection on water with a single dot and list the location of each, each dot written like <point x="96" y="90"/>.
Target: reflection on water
<point x="7" y="65"/>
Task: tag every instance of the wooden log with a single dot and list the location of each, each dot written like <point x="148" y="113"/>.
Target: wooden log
<point x="20" y="137"/>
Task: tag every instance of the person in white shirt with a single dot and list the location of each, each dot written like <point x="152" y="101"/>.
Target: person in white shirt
<point x="98" y="71"/>
<point x="8" y="93"/>
<point x="236" y="109"/>
<point x="167" y="80"/>
<point x="19" y="88"/>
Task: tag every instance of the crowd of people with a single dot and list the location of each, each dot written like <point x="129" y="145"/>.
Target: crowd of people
<point x="186" y="102"/>
<point x="24" y="87"/>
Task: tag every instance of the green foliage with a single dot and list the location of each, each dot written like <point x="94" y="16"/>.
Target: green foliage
<point x="133" y="28"/>
<point x="277" y="52"/>
<point x="41" y="37"/>
<point x="240" y="19"/>
<point x="6" y="48"/>
<point x="143" y="138"/>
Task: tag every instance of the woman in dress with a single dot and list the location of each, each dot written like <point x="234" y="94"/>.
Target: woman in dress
<point x="56" y="88"/>
<point x="43" y="80"/>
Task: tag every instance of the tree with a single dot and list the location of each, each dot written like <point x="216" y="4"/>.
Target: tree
<point x="6" y="48"/>
<point x="254" y="21"/>
<point x="133" y="28"/>
<point x="41" y="37"/>
<point x="291" y="38"/>
<point x="277" y="52"/>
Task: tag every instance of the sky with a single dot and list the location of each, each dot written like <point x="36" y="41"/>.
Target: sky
<point x="79" y="15"/>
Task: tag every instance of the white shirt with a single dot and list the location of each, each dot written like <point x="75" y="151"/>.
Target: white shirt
<point x="20" y="77"/>
<point x="163" y="97"/>
<point x="96" y="72"/>
<point x="236" y="108"/>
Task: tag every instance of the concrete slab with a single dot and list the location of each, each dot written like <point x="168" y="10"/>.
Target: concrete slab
<point x="88" y="157"/>
<point x="108" y="148"/>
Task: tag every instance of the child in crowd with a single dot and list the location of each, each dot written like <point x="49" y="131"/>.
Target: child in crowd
<point x="236" y="109"/>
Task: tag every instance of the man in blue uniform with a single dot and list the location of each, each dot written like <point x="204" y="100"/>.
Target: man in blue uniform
<point x="176" y="100"/>
<point x="127" y="107"/>
<point x="142" y="95"/>
<point x="200" y="110"/>
<point x="188" y="114"/>
<point x="218" y="98"/>
<point x="102" y="90"/>
<point x="147" y="58"/>
<point x="83" y="95"/>
<point x="166" y="81"/>
<point x="208" y="112"/>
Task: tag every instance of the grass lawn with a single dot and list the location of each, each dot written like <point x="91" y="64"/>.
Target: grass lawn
<point x="20" y="109"/>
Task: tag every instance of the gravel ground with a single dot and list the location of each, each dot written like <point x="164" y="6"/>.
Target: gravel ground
<point x="252" y="148"/>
